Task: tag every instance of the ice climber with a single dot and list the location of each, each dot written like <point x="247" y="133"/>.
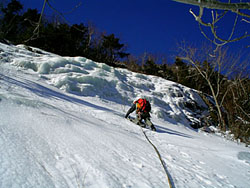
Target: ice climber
<point x="142" y="107"/>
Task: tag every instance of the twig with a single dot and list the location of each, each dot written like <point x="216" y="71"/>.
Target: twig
<point x="36" y="30"/>
<point x="217" y="5"/>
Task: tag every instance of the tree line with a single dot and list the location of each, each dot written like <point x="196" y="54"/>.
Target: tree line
<point x="56" y="36"/>
<point x="217" y="75"/>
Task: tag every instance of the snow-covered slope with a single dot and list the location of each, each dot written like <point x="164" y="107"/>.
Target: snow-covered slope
<point x="62" y="125"/>
<point x="80" y="76"/>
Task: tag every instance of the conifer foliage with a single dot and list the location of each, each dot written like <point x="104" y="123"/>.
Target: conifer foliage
<point x="57" y="36"/>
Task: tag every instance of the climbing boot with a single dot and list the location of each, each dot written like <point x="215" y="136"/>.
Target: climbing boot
<point x="153" y="128"/>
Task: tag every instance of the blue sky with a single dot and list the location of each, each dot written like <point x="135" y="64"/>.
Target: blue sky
<point x="154" y="26"/>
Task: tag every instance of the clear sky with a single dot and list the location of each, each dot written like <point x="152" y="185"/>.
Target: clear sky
<point x="154" y="26"/>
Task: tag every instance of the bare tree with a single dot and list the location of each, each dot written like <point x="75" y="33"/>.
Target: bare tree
<point x="38" y="24"/>
<point x="239" y="109"/>
<point x="218" y="11"/>
<point x="214" y="69"/>
<point x="241" y="92"/>
<point x="91" y="31"/>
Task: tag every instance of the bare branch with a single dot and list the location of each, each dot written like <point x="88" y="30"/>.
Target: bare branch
<point x="62" y="15"/>
<point x="239" y="107"/>
<point x="74" y="8"/>
<point x="217" y="5"/>
<point x="241" y="13"/>
<point x="36" y="30"/>
<point x="244" y="20"/>
<point x="214" y="4"/>
<point x="215" y="70"/>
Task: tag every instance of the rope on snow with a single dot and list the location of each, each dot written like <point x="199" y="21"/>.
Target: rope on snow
<point x="171" y="185"/>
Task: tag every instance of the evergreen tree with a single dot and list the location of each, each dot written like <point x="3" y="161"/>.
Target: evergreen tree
<point x="10" y="22"/>
<point x="150" y="67"/>
<point x="182" y="72"/>
<point x="112" y="49"/>
<point x="79" y="40"/>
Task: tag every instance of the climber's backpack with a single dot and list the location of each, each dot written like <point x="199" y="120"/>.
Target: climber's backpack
<point x="143" y="105"/>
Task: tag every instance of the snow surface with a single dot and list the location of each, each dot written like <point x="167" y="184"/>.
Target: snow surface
<point x="62" y="125"/>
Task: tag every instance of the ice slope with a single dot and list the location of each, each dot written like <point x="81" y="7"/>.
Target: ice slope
<point x="75" y="134"/>
<point x="84" y="77"/>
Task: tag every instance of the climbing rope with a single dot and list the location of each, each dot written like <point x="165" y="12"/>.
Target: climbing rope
<point x="162" y="162"/>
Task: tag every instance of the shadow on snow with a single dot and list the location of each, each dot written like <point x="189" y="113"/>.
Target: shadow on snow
<point x="161" y="129"/>
<point x="45" y="92"/>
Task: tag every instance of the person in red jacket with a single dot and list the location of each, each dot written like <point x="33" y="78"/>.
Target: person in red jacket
<point x="142" y="107"/>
